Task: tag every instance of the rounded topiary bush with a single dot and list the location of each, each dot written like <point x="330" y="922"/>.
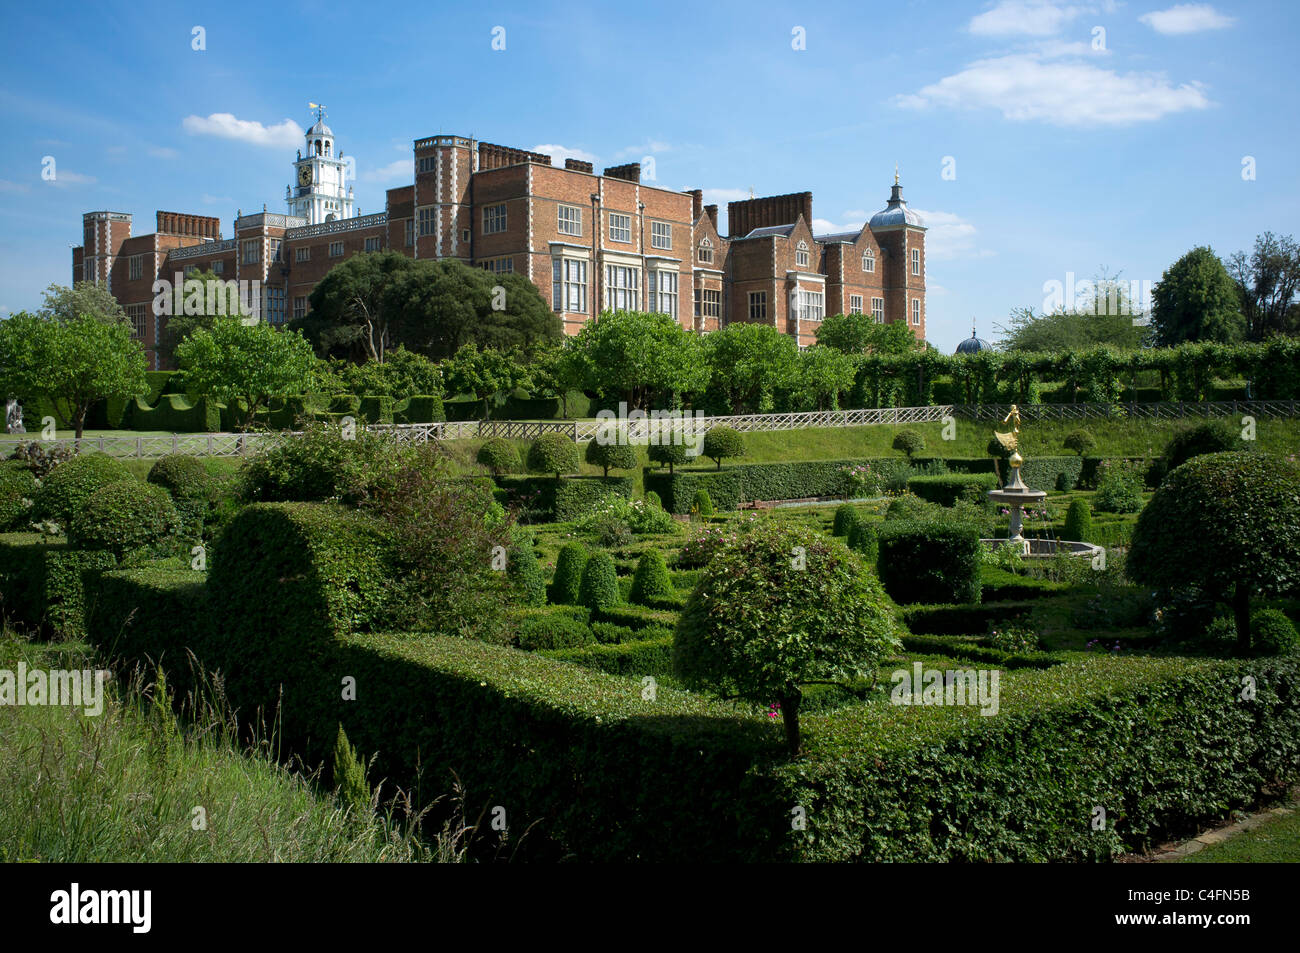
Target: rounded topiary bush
<point x="672" y="454"/>
<point x="1213" y="436"/>
<point x="723" y="443"/>
<point x="779" y="607"/>
<point x="1081" y="442"/>
<point x="567" y="580"/>
<point x="651" y="580"/>
<point x="1119" y="490"/>
<point x="1078" y="522"/>
<point x="909" y="441"/>
<point x="124" y="516"/>
<point x="863" y="540"/>
<point x="702" y="505"/>
<point x="554" y="453"/>
<point x="1273" y="633"/>
<point x="611" y="456"/>
<point x="189" y="483"/>
<point x="70" y="484"/>
<point x="17" y="490"/>
<point x="499" y="455"/>
<point x="523" y="569"/>
<point x="846" y="516"/>
<point x="908" y="506"/>
<point x="599" y="586"/>
<point x="652" y="499"/>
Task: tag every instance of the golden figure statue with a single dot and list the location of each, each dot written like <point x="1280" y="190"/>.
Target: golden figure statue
<point x="1010" y="441"/>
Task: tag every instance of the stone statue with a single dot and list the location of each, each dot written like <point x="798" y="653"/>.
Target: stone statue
<point x="14" y="417"/>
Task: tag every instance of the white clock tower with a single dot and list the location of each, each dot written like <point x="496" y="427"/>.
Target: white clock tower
<point x="320" y="192"/>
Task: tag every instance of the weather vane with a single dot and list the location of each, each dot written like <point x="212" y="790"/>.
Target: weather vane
<point x="320" y="110"/>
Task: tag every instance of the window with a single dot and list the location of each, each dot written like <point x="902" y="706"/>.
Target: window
<point x="191" y="271"/>
<point x="758" y="306"/>
<point x="878" y="310"/>
<point x="499" y="266"/>
<point x="801" y="255"/>
<point x="569" y="285"/>
<point x="494" y="219"/>
<point x="88" y="271"/>
<point x="336" y="249"/>
<point x="916" y="261"/>
<point x="137" y="266"/>
<point x="218" y="267"/>
<point x="427" y="163"/>
<point x="302" y="254"/>
<point x="274" y="249"/>
<point x="620" y="228"/>
<point x="410" y="232"/>
<point x="299" y="307"/>
<point x="855" y="304"/>
<point x="810" y="306"/>
<point x="708" y="303"/>
<point x="252" y="251"/>
<point x="372" y="244"/>
<point x="136" y="312"/>
<point x="569" y="220"/>
<point x="661" y="292"/>
<point x="706" y="251"/>
<point x="661" y="235"/>
<point x="427" y="220"/>
<point x="622" y="285"/>
<point x="916" y="310"/>
<point x="869" y="261"/>
<point x="275" y="306"/>
<point x="464" y="235"/>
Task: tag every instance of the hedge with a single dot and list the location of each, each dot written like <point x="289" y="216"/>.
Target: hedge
<point x="643" y="657"/>
<point x="420" y="409"/>
<point x="928" y="561"/>
<point x="43" y="582"/>
<point x="962" y="619"/>
<point x="949" y="488"/>
<point x="546" y="500"/>
<point x="377" y="409"/>
<point x="751" y="481"/>
<point x="17" y="490"/>
<point x="1052" y="473"/>
<point x="174" y="413"/>
<point x="1000" y="585"/>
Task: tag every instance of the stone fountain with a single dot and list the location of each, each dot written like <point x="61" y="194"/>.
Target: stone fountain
<point x="1015" y="494"/>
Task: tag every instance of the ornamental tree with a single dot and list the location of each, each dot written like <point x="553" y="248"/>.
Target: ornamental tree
<point x="611" y="456"/>
<point x="722" y="443"/>
<point x="553" y="453"/>
<point x="780" y="607"/>
<point x="484" y="374"/>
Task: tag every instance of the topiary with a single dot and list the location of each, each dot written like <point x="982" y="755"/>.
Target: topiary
<point x="723" y="443"/>
<point x="569" y="564"/>
<point x="1119" y="490"/>
<point x="930" y="561"/>
<point x="909" y="441"/>
<point x="908" y="506"/>
<point x="70" y="484"/>
<point x="349" y="775"/>
<point x="846" y="516"/>
<point x="123" y="517"/>
<point x="652" y="499"/>
<point x="702" y="505"/>
<point x="864" y="541"/>
<point x="551" y="631"/>
<point x="673" y="454"/>
<point x="499" y="455"/>
<point x="779" y="607"/>
<point x="191" y="486"/>
<point x="323" y="464"/>
<point x="523" y="569"/>
<point x="1081" y="442"/>
<point x="651" y="580"/>
<point x="1078" y="522"/>
<point x="554" y="453"/>
<point x="17" y="489"/>
<point x="611" y="456"/>
<point x="599" y="587"/>
<point x="1273" y="633"/>
<point x="1213" y="436"/>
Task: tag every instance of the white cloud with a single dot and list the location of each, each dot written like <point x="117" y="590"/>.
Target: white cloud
<point x="1024" y="17"/>
<point x="163" y="152"/>
<point x="1065" y="93"/>
<point x="7" y="186"/>
<point x="950" y="236"/>
<point x="63" y="177"/>
<point x="559" y="153"/>
<point x="283" y="135"/>
<point x="824" y="226"/>
<point x="1186" y="18"/>
<point x="399" y="170"/>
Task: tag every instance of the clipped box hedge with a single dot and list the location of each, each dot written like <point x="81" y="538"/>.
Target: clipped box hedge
<point x="929" y="561"/>
<point x="1052" y="473"/>
<point x="951" y="487"/>
<point x="377" y="409"/>
<point x="419" y="409"/>
<point x="640" y="658"/>
<point x="547" y="500"/>
<point x="44" y="583"/>
<point x="732" y="485"/>
<point x="962" y="619"/>
<point x="174" y="413"/>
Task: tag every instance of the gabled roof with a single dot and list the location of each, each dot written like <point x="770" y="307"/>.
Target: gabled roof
<point x="782" y="230"/>
<point x="847" y="237"/>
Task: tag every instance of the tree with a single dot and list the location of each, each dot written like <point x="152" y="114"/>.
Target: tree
<point x="636" y="355"/>
<point x="673" y="454"/>
<point x="1224" y="524"/>
<point x="1268" y="281"/>
<point x="553" y="453"/>
<point x="862" y="334"/>
<point x="233" y="362"/>
<point x="351" y="315"/>
<point x="1196" y="300"/>
<point x="748" y="364"/>
<point x="781" y="607"/>
<point x="822" y="375"/>
<point x="722" y="443"/>
<point x="84" y="299"/>
<point x="909" y="442"/>
<point x="403" y="374"/>
<point x="71" y="362"/>
<point x="197" y="302"/>
<point x="484" y="374"/>
<point x="611" y="456"/>
<point x="556" y="370"/>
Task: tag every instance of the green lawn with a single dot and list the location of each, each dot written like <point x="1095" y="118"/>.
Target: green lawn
<point x="1276" y="841"/>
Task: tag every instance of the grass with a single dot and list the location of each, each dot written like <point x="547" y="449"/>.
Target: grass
<point x="1275" y="841"/>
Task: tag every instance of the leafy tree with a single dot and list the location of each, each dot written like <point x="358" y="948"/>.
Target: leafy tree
<point x="862" y="334"/>
<point x="1081" y="442"/>
<point x="553" y="453"/>
<point x="499" y="455"/>
<point x="556" y="370"/>
<point x="84" y="299"/>
<point x="909" y="441"/>
<point x="781" y="607"/>
<point x="673" y="454"/>
<point x="1196" y="300"/>
<point x="635" y="355"/>
<point x="611" y="456"/>
<point x="72" y="363"/>
<point x="483" y="374"/>
<point x="350" y="314"/>
<point x="748" y="364"/>
<point x="1226" y="525"/>
<point x="233" y="361"/>
<point x="722" y="443"/>
<point x="822" y="375"/>
<point x="1268" y="280"/>
<point x="197" y="302"/>
<point x="403" y="374"/>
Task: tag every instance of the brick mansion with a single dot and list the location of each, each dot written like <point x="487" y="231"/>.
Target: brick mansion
<point x="588" y="241"/>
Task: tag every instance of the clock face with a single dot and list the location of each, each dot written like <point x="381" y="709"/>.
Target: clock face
<point x="304" y="175"/>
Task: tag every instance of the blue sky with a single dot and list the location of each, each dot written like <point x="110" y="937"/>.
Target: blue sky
<point x="1082" y="135"/>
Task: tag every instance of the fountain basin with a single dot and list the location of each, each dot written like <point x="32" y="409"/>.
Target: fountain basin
<point x="1049" y="548"/>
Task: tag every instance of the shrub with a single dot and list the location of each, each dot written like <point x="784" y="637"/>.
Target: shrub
<point x="569" y="564"/>
<point x="780" y="607"/>
<point x="350" y="784"/>
<point x="523" y="569"/>
<point x="638" y="516"/>
<point x="191" y="486"/>
<point x="1273" y="633"/>
<point x="673" y="454"/>
<point x="17" y="489"/>
<point x="599" y="587"/>
<point x="652" y="499"/>
<point x="553" y="453"/>
<point x="909" y="441"/>
<point x="723" y="443"/>
<point x="1013" y="638"/>
<point x="1213" y="436"/>
<point x="864" y="541"/>
<point x="321" y="465"/>
<point x="1081" y="442"/>
<point x="948" y="489"/>
<point x="545" y="499"/>
<point x="908" y="506"/>
<point x="1078" y="522"/>
<point x="846" y="516"/>
<point x="499" y="455"/>
<point x="650" y="581"/>
<point x="611" y="456"/>
<point x="123" y="517"/>
<point x="1119" y="489"/>
<point x="543" y="632"/>
<point x="70" y="484"/>
<point x="702" y="505"/>
<point x="1222" y="523"/>
<point x="930" y="561"/>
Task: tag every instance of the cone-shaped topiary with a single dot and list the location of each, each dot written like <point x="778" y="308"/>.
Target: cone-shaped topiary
<point x="703" y="504"/>
<point x="566" y="582"/>
<point x="1078" y="522"/>
<point x="863" y="541"/>
<point x="524" y="570"/>
<point x="651" y="581"/>
<point x="554" y="453"/>
<point x="349" y="775"/>
<point x="611" y="456"/>
<point x="599" y="587"/>
<point x="846" y="516"/>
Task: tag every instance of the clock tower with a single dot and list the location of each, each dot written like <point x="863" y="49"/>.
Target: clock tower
<point x="320" y="192"/>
